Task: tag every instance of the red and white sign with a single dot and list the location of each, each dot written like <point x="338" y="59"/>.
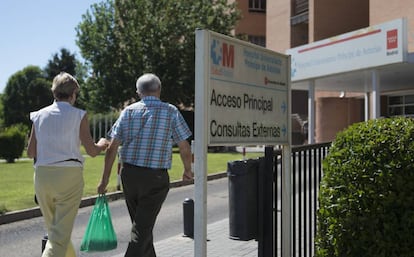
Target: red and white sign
<point x="392" y="39"/>
<point x="366" y="48"/>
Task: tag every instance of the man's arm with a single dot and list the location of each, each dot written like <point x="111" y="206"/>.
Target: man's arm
<point x="186" y="158"/>
<point x="110" y="156"/>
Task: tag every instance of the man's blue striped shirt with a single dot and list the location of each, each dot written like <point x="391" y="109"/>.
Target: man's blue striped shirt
<point x="147" y="130"/>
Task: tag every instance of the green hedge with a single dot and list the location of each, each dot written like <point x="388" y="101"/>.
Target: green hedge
<point x="367" y="191"/>
<point x="12" y="142"/>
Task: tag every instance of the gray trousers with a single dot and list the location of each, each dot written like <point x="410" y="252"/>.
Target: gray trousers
<point x="145" y="190"/>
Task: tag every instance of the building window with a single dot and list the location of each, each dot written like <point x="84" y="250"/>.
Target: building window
<point x="257" y="5"/>
<point x="257" y="40"/>
<point x="300" y="6"/>
<point x="401" y="105"/>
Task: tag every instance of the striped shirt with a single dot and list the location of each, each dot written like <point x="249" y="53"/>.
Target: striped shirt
<point x="147" y="131"/>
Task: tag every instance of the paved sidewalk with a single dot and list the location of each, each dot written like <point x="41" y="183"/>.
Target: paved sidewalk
<point x="218" y="245"/>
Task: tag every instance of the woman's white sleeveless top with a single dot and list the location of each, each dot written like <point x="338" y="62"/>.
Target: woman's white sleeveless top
<point x="57" y="128"/>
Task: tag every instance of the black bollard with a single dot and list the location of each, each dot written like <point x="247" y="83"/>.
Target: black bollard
<point x="44" y="241"/>
<point x="188" y="211"/>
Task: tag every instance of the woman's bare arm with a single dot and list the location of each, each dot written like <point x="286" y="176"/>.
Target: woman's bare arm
<point x="31" y="147"/>
<point x="93" y="149"/>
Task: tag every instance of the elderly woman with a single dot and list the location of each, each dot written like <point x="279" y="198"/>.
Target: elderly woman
<point x="54" y="143"/>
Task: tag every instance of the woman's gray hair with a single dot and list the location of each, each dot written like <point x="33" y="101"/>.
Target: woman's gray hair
<point x="148" y="83"/>
<point x="64" y="85"/>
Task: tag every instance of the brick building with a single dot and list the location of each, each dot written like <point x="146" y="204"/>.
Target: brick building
<point x="365" y="88"/>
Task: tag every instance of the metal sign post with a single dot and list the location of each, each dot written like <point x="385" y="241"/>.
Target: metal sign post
<point x="200" y="148"/>
<point x="286" y="202"/>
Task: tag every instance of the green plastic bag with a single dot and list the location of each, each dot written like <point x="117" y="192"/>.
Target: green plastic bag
<point x="100" y="234"/>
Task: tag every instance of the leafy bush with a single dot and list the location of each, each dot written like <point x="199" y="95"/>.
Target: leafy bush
<point x="3" y="209"/>
<point x="367" y="192"/>
<point x="12" y="142"/>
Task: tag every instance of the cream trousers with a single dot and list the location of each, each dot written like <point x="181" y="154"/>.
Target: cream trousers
<point x="59" y="192"/>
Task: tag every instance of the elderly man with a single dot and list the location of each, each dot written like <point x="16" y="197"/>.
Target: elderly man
<point x="147" y="131"/>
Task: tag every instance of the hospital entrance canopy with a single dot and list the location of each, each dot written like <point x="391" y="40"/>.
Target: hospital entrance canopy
<point x="365" y="60"/>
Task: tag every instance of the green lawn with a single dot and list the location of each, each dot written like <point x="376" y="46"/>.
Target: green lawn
<point x="16" y="179"/>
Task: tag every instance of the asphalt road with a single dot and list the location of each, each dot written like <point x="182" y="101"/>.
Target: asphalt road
<point x="23" y="238"/>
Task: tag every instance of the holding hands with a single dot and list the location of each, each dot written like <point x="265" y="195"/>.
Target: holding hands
<point x="103" y="144"/>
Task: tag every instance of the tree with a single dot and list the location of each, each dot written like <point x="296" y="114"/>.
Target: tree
<point x="63" y="62"/>
<point x="122" y="39"/>
<point x="1" y="112"/>
<point x="26" y="90"/>
<point x="96" y="41"/>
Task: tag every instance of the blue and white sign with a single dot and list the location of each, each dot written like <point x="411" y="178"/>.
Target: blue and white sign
<point x="361" y="49"/>
<point x="248" y="93"/>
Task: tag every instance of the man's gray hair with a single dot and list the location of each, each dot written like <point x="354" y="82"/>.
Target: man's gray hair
<point x="148" y="83"/>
